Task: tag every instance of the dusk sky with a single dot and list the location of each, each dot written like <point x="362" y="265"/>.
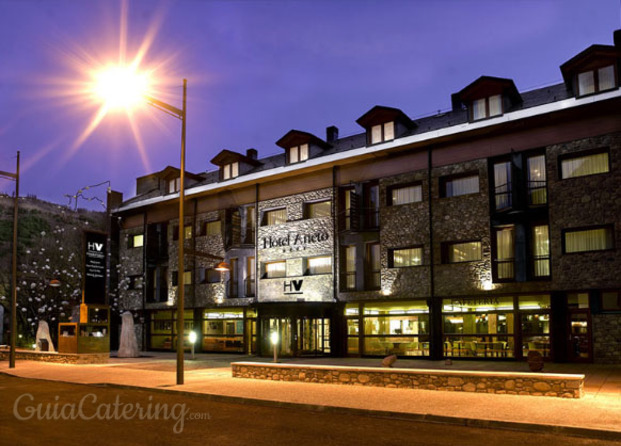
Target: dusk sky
<point x="255" y="70"/>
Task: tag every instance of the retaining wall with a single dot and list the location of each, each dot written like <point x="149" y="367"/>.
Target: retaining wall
<point x="62" y="358"/>
<point x="510" y="383"/>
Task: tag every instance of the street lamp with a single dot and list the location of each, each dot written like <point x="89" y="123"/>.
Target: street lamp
<point x="274" y="338"/>
<point x="124" y="87"/>
<point x="13" y="342"/>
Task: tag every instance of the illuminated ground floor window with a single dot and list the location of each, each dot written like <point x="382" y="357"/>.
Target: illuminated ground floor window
<point x="382" y="328"/>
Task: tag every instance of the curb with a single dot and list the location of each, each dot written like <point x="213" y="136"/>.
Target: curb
<point x="570" y="431"/>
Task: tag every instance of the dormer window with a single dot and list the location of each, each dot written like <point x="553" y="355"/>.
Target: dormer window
<point x="230" y="171"/>
<point x="174" y="185"/>
<point x="487" y="107"/>
<point x="383" y="132"/>
<point x="597" y="80"/>
<point x="298" y="153"/>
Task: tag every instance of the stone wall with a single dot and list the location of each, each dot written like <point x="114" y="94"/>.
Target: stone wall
<point x="61" y="358"/>
<point x="533" y="384"/>
<point x="607" y="338"/>
<point x="582" y="202"/>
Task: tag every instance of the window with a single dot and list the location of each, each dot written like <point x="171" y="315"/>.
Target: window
<point x="350" y="200"/>
<point x="319" y="265"/>
<point x="230" y="171"/>
<point x="585" y="240"/>
<point x="250" y="224"/>
<point x="505" y="253"/>
<point x="456" y="186"/>
<point x="582" y="165"/>
<point x="541" y="251"/>
<point x="233" y="283"/>
<point x="136" y="282"/>
<point x="275" y="217"/>
<point x="383" y="132"/>
<point x="486" y="107"/>
<point x="174" y="185"/>
<point x="595" y="81"/>
<point x="250" y="276"/>
<point x="187" y="278"/>
<point x="350" y="268"/>
<point x="212" y="227"/>
<point x="403" y="257"/>
<point x="298" y="153"/>
<point x="462" y="252"/>
<point x="537" y="181"/>
<point x="136" y="241"/>
<point x="209" y="275"/>
<point x="187" y="232"/>
<point x="275" y="269"/>
<point x="502" y="185"/>
<point x="373" y="267"/>
<point x="319" y="209"/>
<point x="405" y="194"/>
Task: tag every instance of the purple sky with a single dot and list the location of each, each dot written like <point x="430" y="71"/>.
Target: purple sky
<point x="255" y="70"/>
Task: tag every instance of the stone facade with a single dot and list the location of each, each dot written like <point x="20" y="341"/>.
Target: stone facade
<point x="505" y="383"/>
<point x="607" y="338"/>
<point x="60" y="358"/>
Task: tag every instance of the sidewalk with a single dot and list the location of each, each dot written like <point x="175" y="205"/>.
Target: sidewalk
<point x="597" y="415"/>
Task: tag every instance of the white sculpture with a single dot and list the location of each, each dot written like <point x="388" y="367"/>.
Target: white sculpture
<point x="128" y="347"/>
<point x="43" y="334"/>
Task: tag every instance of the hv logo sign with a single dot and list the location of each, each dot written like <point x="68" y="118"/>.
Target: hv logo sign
<point x="293" y="287"/>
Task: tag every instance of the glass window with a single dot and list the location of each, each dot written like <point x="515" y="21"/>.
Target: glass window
<point x="584" y="240"/>
<point x="502" y="185"/>
<point x="275" y="217"/>
<point x="578" y="166"/>
<point x="211" y="227"/>
<point x="223" y="330"/>
<point x="319" y="265"/>
<point x="537" y="181"/>
<point x="406" y="194"/>
<point x="541" y="251"/>
<point x="454" y="187"/>
<point x="275" y="269"/>
<point x="606" y="77"/>
<point x="350" y="267"/>
<point x="463" y="252"/>
<point x="298" y="153"/>
<point x="478" y="109"/>
<point x="382" y="132"/>
<point x="505" y="253"/>
<point x="578" y="300"/>
<point x="536" y="302"/>
<point x="495" y="105"/>
<point x="404" y="257"/>
<point x="174" y="185"/>
<point x="319" y="209"/>
<point x="594" y="81"/>
<point x="187" y="278"/>
<point x="136" y="241"/>
<point x="209" y="275"/>
<point x="372" y="205"/>
<point x="187" y="232"/>
<point x="373" y="273"/>
<point x="230" y="170"/>
<point x="586" y="83"/>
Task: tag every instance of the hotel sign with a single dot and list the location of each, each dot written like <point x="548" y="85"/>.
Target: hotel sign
<point x="294" y="240"/>
<point x="476" y="301"/>
<point x="94" y="268"/>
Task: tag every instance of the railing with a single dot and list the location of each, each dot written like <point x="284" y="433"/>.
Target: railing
<point x="537" y="192"/>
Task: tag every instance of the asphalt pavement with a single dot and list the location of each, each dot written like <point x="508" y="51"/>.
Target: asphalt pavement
<point x="596" y="415"/>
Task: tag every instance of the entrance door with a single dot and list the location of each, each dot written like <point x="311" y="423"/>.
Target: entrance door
<point x="298" y="336"/>
<point x="579" y="335"/>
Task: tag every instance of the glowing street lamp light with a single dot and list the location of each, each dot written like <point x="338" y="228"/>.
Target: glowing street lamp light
<point x="274" y="339"/>
<point x="124" y="87"/>
<point x="192" y="339"/>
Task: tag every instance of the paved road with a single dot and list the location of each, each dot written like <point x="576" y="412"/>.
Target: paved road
<point x="32" y="412"/>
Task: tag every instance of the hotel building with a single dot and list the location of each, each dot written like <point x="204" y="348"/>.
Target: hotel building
<point x="486" y="231"/>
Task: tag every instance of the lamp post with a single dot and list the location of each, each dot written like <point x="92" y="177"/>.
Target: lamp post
<point x="13" y="342"/>
<point x="181" y="115"/>
<point x="121" y="86"/>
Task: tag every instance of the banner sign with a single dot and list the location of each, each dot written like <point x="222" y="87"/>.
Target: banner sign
<point x="95" y="268"/>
